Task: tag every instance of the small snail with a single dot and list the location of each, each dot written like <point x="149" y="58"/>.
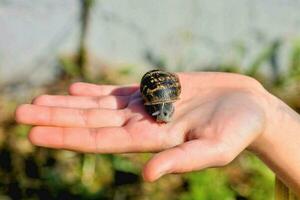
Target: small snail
<point x="160" y="89"/>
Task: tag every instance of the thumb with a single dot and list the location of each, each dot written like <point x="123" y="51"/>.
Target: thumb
<point x="189" y="156"/>
<point x="235" y="127"/>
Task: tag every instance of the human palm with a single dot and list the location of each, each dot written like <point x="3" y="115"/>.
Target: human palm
<point x="218" y="115"/>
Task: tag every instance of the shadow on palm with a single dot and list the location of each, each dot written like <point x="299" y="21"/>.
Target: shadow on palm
<point x="143" y="129"/>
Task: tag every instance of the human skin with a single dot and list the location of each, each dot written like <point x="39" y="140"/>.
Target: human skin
<point x="217" y="117"/>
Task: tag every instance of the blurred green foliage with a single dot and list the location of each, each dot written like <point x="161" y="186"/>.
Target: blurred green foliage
<point x="29" y="172"/>
<point x="210" y="184"/>
<point x="294" y="70"/>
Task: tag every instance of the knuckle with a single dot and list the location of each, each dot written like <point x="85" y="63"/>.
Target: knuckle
<point x="93" y="140"/>
<point x="224" y="154"/>
<point x="98" y="101"/>
<point x="209" y="130"/>
<point x="19" y="113"/>
<point x="85" y="116"/>
<point x="40" y="99"/>
<point x="253" y="82"/>
<point x="63" y="141"/>
<point x="73" y="87"/>
<point x="31" y="135"/>
<point x="122" y="116"/>
<point x="173" y="136"/>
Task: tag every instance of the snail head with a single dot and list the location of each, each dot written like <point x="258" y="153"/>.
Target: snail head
<point x="164" y="112"/>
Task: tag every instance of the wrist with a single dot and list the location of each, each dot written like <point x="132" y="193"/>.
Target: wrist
<point x="269" y="105"/>
<point x="279" y="143"/>
<point x="280" y="121"/>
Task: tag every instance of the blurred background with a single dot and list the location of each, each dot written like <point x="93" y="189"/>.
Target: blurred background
<point x="47" y="44"/>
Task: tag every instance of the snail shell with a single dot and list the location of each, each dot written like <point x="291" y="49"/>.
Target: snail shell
<point x="160" y="89"/>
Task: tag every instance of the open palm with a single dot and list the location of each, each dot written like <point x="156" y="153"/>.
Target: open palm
<point x="218" y="115"/>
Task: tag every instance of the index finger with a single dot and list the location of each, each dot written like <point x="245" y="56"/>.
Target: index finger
<point x="88" y="89"/>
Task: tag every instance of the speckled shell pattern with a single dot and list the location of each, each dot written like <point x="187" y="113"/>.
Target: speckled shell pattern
<point x="160" y="87"/>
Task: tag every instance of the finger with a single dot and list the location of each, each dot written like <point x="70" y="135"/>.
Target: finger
<point x="67" y="117"/>
<point x="84" y="102"/>
<point x="190" y="156"/>
<point x="100" y="140"/>
<point x="87" y="89"/>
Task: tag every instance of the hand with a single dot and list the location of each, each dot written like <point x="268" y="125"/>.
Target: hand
<point x="218" y="116"/>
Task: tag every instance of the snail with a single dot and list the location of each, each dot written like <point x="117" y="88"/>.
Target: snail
<point x="160" y="89"/>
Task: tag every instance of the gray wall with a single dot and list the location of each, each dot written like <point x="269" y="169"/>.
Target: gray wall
<point x="185" y="34"/>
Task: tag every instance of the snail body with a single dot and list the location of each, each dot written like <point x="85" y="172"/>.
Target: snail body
<point x="160" y="89"/>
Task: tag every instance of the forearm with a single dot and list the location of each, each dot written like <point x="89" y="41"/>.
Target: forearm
<point x="279" y="144"/>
